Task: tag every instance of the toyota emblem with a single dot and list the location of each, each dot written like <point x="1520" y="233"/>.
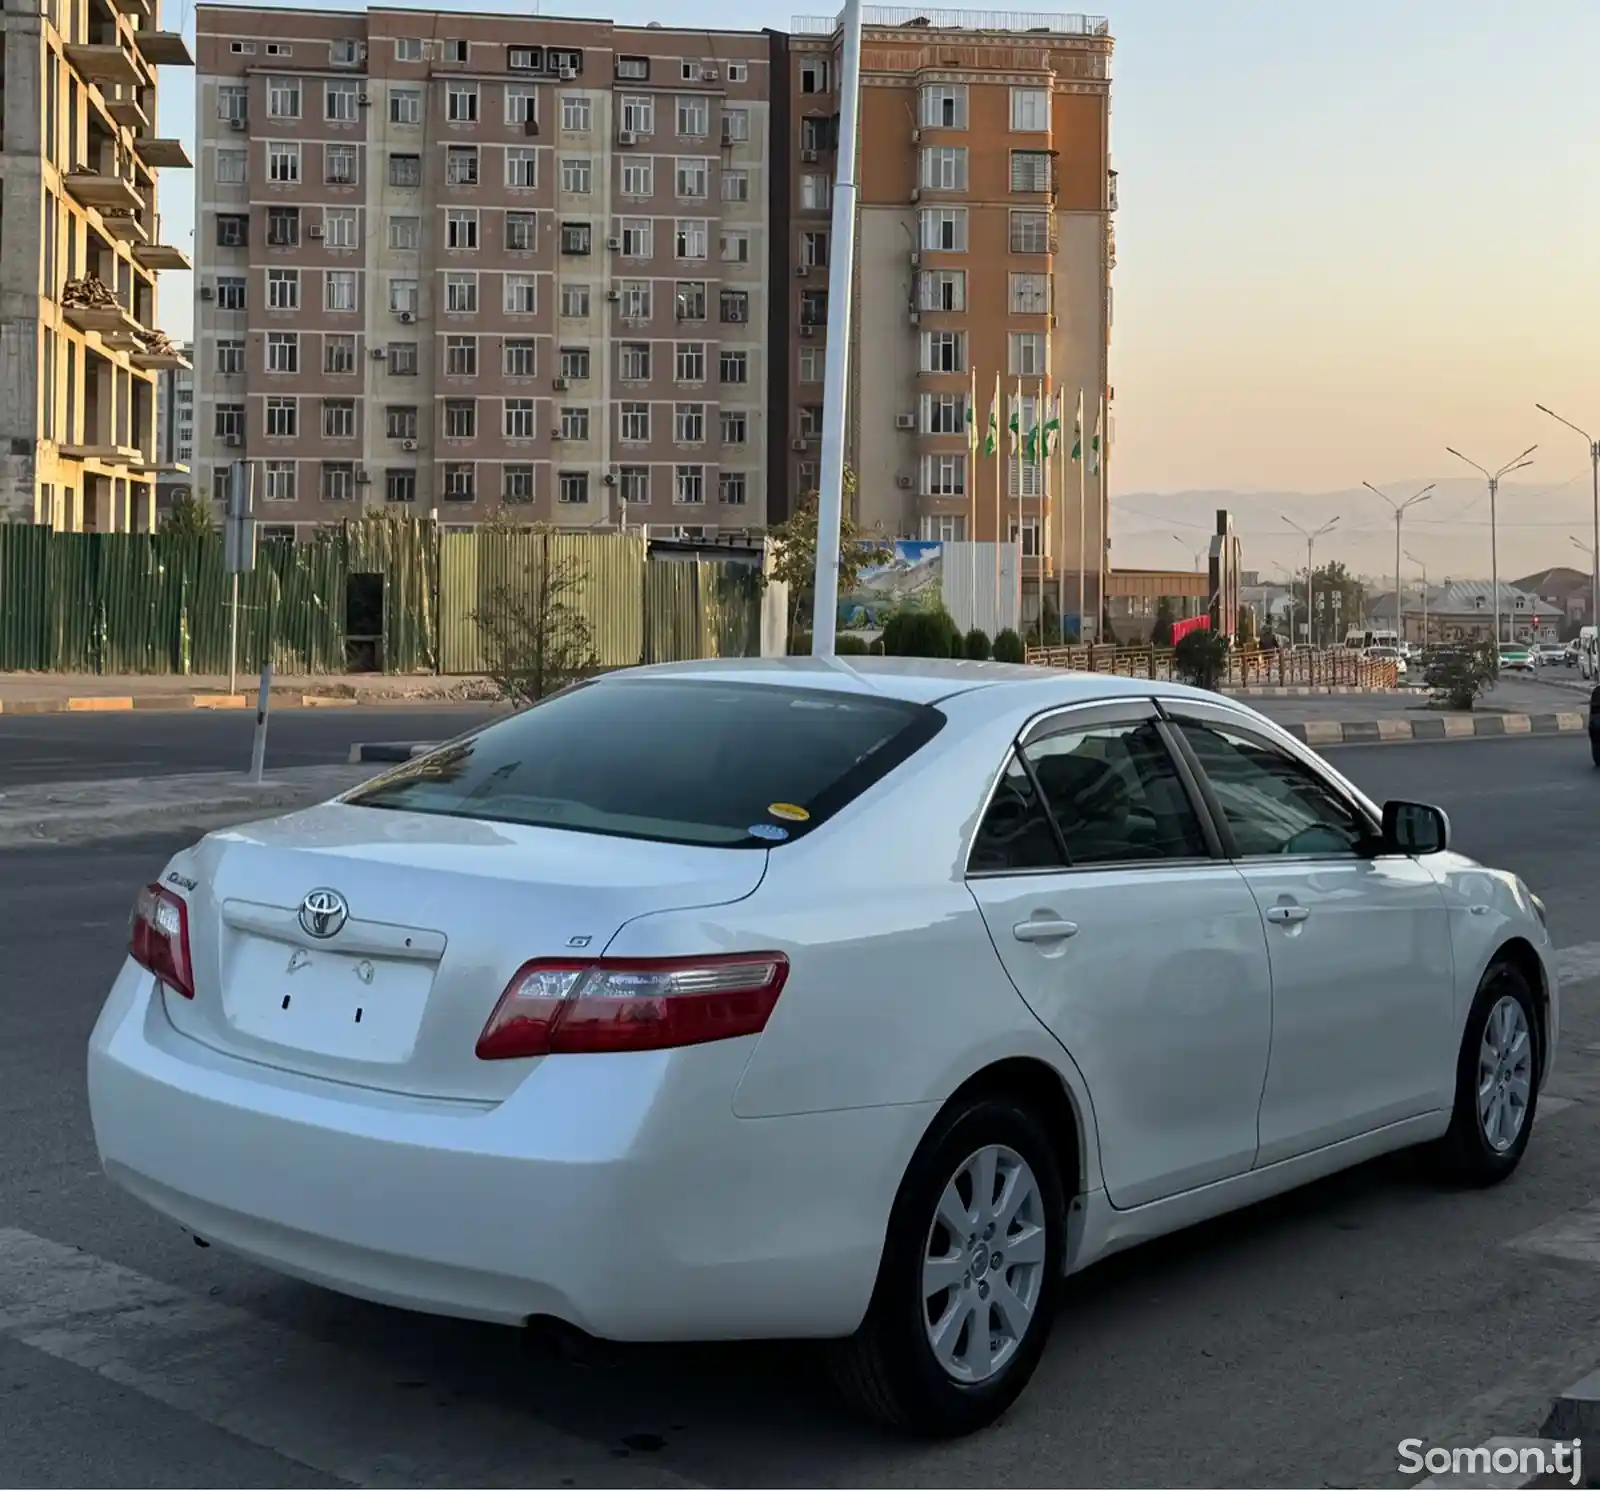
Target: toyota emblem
<point x="323" y="912"/>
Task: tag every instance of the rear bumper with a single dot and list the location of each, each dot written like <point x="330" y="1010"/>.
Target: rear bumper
<point x="617" y="1193"/>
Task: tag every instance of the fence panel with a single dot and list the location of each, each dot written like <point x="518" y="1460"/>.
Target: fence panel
<point x="612" y="568"/>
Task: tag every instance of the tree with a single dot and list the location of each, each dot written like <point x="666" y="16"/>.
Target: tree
<point x="538" y="644"/>
<point x="1008" y="647"/>
<point x="1341" y="603"/>
<point x="1463" y="673"/>
<point x="794" y="559"/>
<point x="1201" y="657"/>
<point x="1161" y="632"/>
<point x="190" y="517"/>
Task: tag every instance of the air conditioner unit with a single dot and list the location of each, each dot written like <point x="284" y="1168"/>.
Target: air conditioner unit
<point x="905" y="483"/>
<point x="239" y="124"/>
<point x="916" y="259"/>
<point x="233" y="441"/>
<point x="808" y="157"/>
<point x="613" y="243"/>
<point x="797" y="445"/>
<point x="559" y="384"/>
<point x="408" y="317"/>
<point x="808" y="331"/>
<point x="556" y="434"/>
<point x="207" y="293"/>
<point x="378" y="354"/>
<point x="530" y="126"/>
<point x="710" y="75"/>
<point x="627" y="137"/>
<point x="915" y="318"/>
<point x="613" y="295"/>
<point x="610" y="478"/>
<point x="905" y="421"/>
<point x="364" y="99"/>
<point x="801" y="271"/>
<point x="315" y="230"/>
<point x="568" y="74"/>
<point x="916" y="137"/>
<point x="363" y="478"/>
<point x="408" y="445"/>
<point x="916" y="194"/>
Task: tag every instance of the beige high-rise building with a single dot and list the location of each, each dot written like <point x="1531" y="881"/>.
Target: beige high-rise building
<point x="80" y="248"/>
<point x="450" y="261"/>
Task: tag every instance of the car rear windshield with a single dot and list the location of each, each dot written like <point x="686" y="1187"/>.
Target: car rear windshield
<point x="728" y="765"/>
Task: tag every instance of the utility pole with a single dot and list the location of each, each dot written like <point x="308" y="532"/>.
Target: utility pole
<point x="1399" y="512"/>
<point x="1311" y="549"/>
<point x="1594" y="546"/>
<point x="1493" y="478"/>
<point x="1424" y="568"/>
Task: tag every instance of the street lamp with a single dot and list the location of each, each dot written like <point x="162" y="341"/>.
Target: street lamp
<point x="1424" y="568"/>
<point x="1311" y="546"/>
<point x="1399" y="512"/>
<point x="1193" y="553"/>
<point x="1493" y="478"/>
<point x="1592" y="548"/>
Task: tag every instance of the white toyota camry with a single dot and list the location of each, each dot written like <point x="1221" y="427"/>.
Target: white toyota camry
<point x="794" y="998"/>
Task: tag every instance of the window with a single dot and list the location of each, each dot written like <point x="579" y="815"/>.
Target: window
<point x="233" y="103"/>
<point x="735" y="126"/>
<point x="813" y="307"/>
<point x="689" y="424"/>
<point x="400" y="485"/>
<point x="573" y="486"/>
<point x="943" y="413"/>
<point x="339" y="104"/>
<point x="522" y="103"/>
<point x="638" y="178"/>
<point x="345" y="53"/>
<point x="575" y="364"/>
<point x="522" y="294"/>
<point x="405" y="170"/>
<point x="232" y="167"/>
<point x="339" y="227"/>
<point x="735" y="186"/>
<point x="338" y="481"/>
<point x="576" y="177"/>
<point x="814" y="249"/>
<point x="455" y="50"/>
<point x="230" y="293"/>
<point x="576" y="238"/>
<point x="1028" y="536"/>
<point x="731" y="488"/>
<point x="521" y="356"/>
<point x="283" y="227"/>
<point x="461" y="103"/>
<point x="810" y="421"/>
<point x="942" y="352"/>
<point x="944" y="528"/>
<point x="405" y="106"/>
<point x="690" y="362"/>
<point x="944" y="476"/>
<point x="575" y="302"/>
<point x="944" y="106"/>
<point x="408" y="49"/>
<point x="339" y="419"/>
<point x="230" y="359"/>
<point x="233" y="229"/>
<point x="575" y="116"/>
<point x="1030" y="232"/>
<point x="461" y="228"/>
<point x="283" y="352"/>
<point x="638" y="115"/>
<point x="460" y="419"/>
<point x="691" y="300"/>
<point x="283" y="98"/>
<point x="283" y="417"/>
<point x="634" y="486"/>
<point x="461" y="357"/>
<point x="339" y="290"/>
<point x="1030" y="170"/>
<point x="339" y="165"/>
<point x="634" y="365"/>
<point x="735" y="247"/>
<point x="735" y="427"/>
<point x="692" y="176"/>
<point x="460" y="481"/>
<point x="461" y="294"/>
<point x="400" y="422"/>
<point x="944" y="229"/>
<point x="636" y="237"/>
<point x="635" y="302"/>
<point x="405" y="232"/>
<point x="633" y="69"/>
<point x="516" y="484"/>
<point x="738" y="72"/>
<point x="338" y="353"/>
<point x="942" y="290"/>
<point x="635" y="424"/>
<point x="403" y="359"/>
<point x="818" y="132"/>
<point x="280" y="481"/>
<point x="1030" y="109"/>
<point x="735" y="306"/>
<point x="1024" y="478"/>
<point x="1273" y="803"/>
<point x="461" y="164"/>
<point x="689" y="238"/>
<point x="694" y="118"/>
<point x="734" y="367"/>
<point x="689" y="485"/>
<point x="944" y="168"/>
<point x="403" y="296"/>
<point x="1030" y="294"/>
<point x="522" y="168"/>
<point x="574" y="424"/>
<point x="816" y="193"/>
<point x="519" y="422"/>
<point x="283" y="289"/>
<point x="522" y="231"/>
<point x="230" y="421"/>
<point x="529" y="59"/>
<point x="814" y="75"/>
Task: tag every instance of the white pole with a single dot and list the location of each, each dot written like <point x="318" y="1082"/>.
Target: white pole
<point x="233" y="637"/>
<point x="836" y="370"/>
<point x="258" y="748"/>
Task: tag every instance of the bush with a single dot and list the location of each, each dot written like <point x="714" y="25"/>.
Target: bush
<point x="1458" y="677"/>
<point x="915" y="633"/>
<point x="799" y="644"/>
<point x="1201" y="658"/>
<point x="1008" y="647"/>
<point x="978" y="648"/>
<point x="847" y="644"/>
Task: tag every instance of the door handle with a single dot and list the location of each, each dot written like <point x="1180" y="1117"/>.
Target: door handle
<point x="1287" y="915"/>
<point x="1044" y="931"/>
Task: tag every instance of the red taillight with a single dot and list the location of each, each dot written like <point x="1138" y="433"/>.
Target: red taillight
<point x="556" y="1006"/>
<point x="159" y="938"/>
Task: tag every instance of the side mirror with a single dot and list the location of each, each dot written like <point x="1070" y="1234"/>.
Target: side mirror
<point x="1415" y="828"/>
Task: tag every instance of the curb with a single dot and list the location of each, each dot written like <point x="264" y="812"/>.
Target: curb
<point x="1440" y="727"/>
<point x="126" y="703"/>
<point x="394" y="750"/>
<point x="1300" y="690"/>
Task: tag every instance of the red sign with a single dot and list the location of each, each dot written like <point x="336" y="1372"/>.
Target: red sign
<point x="1181" y="629"/>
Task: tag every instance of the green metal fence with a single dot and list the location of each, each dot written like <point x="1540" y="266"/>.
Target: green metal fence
<point x="159" y="603"/>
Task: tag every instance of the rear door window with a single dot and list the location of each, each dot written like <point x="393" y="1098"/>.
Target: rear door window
<point x="689" y="761"/>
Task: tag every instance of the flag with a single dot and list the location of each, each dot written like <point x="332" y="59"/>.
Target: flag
<point x="1077" y="431"/>
<point x="972" y="414"/>
<point x="992" y="440"/>
<point x="1051" y="431"/>
<point x="1094" y="448"/>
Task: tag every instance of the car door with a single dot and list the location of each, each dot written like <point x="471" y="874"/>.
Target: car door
<point x="1362" y="967"/>
<point x="1133" y="941"/>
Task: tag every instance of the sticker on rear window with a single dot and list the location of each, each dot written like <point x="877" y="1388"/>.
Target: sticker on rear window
<point x="768" y="831"/>
<point x="789" y="810"/>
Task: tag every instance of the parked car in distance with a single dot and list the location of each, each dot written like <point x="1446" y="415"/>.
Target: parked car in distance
<point x="1387" y="655"/>
<point x="1515" y="658"/>
<point x="1550" y="654"/>
<point x="853" y="999"/>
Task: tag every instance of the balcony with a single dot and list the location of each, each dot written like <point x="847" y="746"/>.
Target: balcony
<point x="128" y="112"/>
<point x="105" y="64"/>
<point x="106" y="192"/>
<point x="160" y="256"/>
<point x="163" y="155"/>
<point x="105" y="454"/>
<point x="123" y="224"/>
<point x="88" y="305"/>
<point x="163" y="48"/>
<point x="138" y="10"/>
<point x="157" y="353"/>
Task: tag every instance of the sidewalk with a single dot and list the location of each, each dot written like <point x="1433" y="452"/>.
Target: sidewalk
<point x="60" y="693"/>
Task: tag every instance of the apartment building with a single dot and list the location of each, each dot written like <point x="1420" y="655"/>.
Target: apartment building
<point x="80" y="250"/>
<point x="175" y="430"/>
<point x="984" y="247"/>
<point x="449" y="261"/>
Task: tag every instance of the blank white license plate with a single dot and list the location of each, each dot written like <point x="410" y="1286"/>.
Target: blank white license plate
<point x="363" y="1009"/>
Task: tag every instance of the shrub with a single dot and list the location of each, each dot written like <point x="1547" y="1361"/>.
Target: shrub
<point x="1008" y="647"/>
<point x="847" y="644"/>
<point x="915" y="633"/>
<point x="799" y="644"/>
<point x="1201" y="658"/>
<point x="1458" y="677"/>
<point x="978" y="648"/>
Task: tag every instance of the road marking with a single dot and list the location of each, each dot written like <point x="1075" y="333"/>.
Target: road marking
<point x="1574" y="1235"/>
<point x="333" y="1410"/>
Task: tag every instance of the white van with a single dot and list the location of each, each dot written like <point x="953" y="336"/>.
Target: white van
<point x="1359" y="639"/>
<point x="1588" y="642"/>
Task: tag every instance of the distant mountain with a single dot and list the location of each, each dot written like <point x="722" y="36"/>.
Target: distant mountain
<point x="1449" y="532"/>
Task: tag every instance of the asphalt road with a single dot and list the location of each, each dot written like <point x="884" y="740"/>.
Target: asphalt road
<point x="1294" y="1345"/>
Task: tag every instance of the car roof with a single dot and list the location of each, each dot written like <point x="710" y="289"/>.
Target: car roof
<point x="916" y="680"/>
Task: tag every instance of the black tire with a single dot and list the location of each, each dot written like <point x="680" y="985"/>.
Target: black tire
<point x="1466" y="1153"/>
<point x="1594" y="749"/>
<point x="888" y="1369"/>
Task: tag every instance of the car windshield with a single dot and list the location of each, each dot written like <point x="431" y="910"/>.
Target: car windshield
<point x="729" y="765"/>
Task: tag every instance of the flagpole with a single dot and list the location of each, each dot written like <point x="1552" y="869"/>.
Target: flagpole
<point x="1061" y="540"/>
<point x="1083" y="500"/>
<point x="1100" y="533"/>
<point x="1043" y="454"/>
<point x="972" y="500"/>
<point x="999" y="486"/>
